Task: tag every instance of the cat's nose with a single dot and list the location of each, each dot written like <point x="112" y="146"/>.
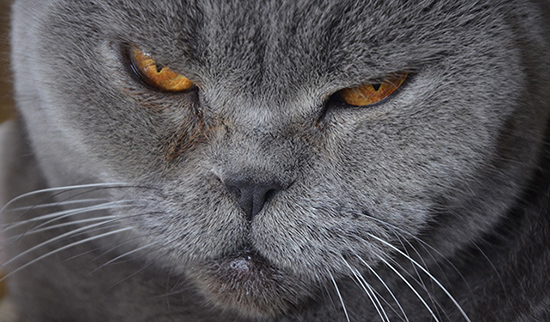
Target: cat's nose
<point x="251" y="196"/>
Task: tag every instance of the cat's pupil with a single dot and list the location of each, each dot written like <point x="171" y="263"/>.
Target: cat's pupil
<point x="376" y="86"/>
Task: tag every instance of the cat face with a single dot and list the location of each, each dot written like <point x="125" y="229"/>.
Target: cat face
<point x="260" y="182"/>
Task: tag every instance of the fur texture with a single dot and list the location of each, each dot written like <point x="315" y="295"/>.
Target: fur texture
<point x="431" y="205"/>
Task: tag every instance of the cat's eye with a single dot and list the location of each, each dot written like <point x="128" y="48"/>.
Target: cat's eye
<point x="371" y="93"/>
<point x="159" y="77"/>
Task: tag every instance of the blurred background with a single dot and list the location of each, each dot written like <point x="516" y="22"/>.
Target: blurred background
<point x="6" y="111"/>
<point x="6" y="101"/>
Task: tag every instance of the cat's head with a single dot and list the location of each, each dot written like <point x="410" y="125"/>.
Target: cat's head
<point x="262" y="180"/>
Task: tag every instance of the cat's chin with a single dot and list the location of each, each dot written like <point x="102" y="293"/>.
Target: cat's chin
<point x="246" y="283"/>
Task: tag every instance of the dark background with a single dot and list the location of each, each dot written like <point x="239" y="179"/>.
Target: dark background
<point x="6" y="101"/>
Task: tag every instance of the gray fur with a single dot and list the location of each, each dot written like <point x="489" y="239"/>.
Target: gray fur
<point x="450" y="170"/>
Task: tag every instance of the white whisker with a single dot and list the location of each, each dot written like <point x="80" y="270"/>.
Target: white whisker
<point x="423" y="287"/>
<point x="112" y="205"/>
<point x="123" y="255"/>
<point x="114" y="224"/>
<point x="68" y="213"/>
<point x="59" y="237"/>
<point x="385" y="286"/>
<point x="427" y="273"/>
<point x="131" y="275"/>
<point x="340" y="297"/>
<point x="369" y="291"/>
<point x="70" y="223"/>
<point x="63" y="189"/>
<point x="427" y="247"/>
<point x="58" y="204"/>
<point x="375" y="295"/>
<point x="418" y="278"/>
<point x="411" y="287"/>
<point x="136" y="272"/>
<point x="492" y="266"/>
<point x="125" y="242"/>
<point x="65" y="247"/>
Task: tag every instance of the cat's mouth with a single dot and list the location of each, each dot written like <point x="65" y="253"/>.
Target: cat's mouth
<point x="243" y="266"/>
<point x="247" y="283"/>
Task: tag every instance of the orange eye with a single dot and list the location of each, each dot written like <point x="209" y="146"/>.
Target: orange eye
<point x="368" y="94"/>
<point x="161" y="78"/>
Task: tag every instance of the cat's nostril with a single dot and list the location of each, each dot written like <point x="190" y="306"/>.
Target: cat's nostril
<point x="251" y="196"/>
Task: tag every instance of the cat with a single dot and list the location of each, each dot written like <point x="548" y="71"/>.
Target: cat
<point x="278" y="160"/>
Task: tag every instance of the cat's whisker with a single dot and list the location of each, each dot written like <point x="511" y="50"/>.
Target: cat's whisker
<point x="124" y="255"/>
<point x="107" y="206"/>
<point x="59" y="237"/>
<point x="102" y="228"/>
<point x="96" y="237"/>
<point x="130" y="276"/>
<point x="113" y="223"/>
<point x="168" y="277"/>
<point x="171" y="289"/>
<point x="58" y="204"/>
<point x="369" y="291"/>
<point x="170" y="293"/>
<point x="58" y="191"/>
<point x="492" y="265"/>
<point x="63" y="189"/>
<point x="385" y="286"/>
<point x="418" y="278"/>
<point x="327" y="296"/>
<point x="430" y="250"/>
<point x="429" y="293"/>
<point x="68" y="213"/>
<point x="382" y="312"/>
<point x="125" y="242"/>
<point x="142" y="268"/>
<point x="65" y="224"/>
<point x="425" y="272"/>
<point x="339" y="296"/>
<point x="405" y="250"/>
<point x="410" y="287"/>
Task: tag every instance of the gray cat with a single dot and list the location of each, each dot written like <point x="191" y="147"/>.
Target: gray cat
<point x="275" y="160"/>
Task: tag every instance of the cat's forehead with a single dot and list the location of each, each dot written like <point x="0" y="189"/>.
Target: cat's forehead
<point x="321" y="29"/>
<point x="288" y="43"/>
